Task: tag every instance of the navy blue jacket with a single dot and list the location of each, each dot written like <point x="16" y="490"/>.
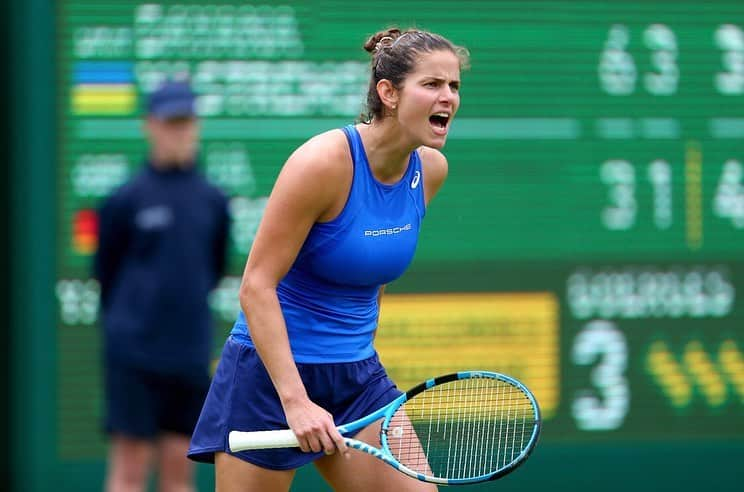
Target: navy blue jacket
<point x="162" y="248"/>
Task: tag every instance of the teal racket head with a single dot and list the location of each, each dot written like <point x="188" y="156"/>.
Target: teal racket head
<point x="461" y="428"/>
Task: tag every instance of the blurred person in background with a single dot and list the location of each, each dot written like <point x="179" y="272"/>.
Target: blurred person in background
<point x="342" y="221"/>
<point x="162" y="249"/>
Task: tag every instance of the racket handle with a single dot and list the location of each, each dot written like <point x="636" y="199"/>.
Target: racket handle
<point x="243" y="441"/>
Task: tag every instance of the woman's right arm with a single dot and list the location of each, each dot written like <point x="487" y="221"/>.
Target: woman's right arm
<point x="306" y="188"/>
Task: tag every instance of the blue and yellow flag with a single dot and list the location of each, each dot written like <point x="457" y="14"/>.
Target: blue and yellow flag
<point x="103" y="88"/>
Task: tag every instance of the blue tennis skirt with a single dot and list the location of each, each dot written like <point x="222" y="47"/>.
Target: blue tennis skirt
<point x="242" y="397"/>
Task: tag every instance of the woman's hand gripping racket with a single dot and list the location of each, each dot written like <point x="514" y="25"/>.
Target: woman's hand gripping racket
<point x="455" y="429"/>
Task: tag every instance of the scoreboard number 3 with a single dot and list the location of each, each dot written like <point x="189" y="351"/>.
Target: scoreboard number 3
<point x="605" y="405"/>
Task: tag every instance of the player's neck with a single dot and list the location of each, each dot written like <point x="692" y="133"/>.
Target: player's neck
<point x="387" y="152"/>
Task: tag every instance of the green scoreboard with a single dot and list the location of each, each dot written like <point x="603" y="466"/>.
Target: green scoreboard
<point x="589" y="239"/>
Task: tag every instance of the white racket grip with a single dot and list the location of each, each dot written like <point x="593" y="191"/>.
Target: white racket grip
<point x="243" y="441"/>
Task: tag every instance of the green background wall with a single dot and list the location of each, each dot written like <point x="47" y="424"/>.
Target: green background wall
<point x="596" y="161"/>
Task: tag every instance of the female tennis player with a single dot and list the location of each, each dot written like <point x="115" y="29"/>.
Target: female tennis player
<point x="342" y="221"/>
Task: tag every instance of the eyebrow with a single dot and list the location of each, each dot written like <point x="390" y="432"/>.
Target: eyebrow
<point x="439" y="79"/>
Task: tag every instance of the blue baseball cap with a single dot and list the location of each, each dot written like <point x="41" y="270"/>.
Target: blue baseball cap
<point x="172" y="99"/>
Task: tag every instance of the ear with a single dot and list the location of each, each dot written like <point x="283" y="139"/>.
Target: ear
<point x="388" y="93"/>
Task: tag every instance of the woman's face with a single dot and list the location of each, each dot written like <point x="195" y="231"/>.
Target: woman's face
<point x="430" y="97"/>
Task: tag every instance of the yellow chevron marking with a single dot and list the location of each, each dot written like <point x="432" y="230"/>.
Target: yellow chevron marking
<point x="716" y="381"/>
<point x="732" y="364"/>
<point x="702" y="369"/>
<point x="424" y="335"/>
<point x="668" y="374"/>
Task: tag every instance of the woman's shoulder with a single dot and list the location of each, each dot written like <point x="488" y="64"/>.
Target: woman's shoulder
<point x="324" y="152"/>
<point x="434" y="163"/>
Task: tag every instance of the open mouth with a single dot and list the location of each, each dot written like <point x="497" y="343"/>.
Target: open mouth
<point x="439" y="120"/>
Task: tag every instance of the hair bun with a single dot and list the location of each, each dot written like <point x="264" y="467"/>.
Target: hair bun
<point x="381" y="39"/>
<point x="383" y="42"/>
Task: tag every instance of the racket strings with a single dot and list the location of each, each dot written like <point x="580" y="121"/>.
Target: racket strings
<point x="461" y="429"/>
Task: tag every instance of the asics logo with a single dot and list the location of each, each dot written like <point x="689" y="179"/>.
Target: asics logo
<point x="388" y="231"/>
<point x="415" y="180"/>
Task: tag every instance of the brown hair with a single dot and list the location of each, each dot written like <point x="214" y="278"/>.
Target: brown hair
<point x="394" y="54"/>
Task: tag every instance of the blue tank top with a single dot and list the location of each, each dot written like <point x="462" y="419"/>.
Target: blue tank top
<point x="329" y="295"/>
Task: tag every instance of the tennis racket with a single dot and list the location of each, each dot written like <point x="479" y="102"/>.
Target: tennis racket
<point x="455" y="429"/>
